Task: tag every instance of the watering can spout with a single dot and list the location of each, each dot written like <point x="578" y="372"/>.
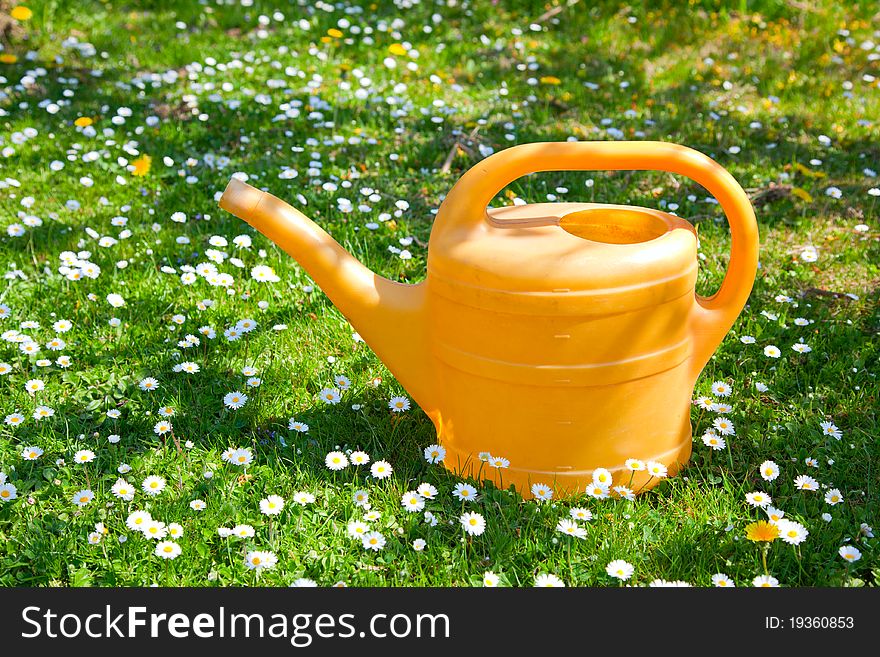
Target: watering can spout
<point x="391" y="317"/>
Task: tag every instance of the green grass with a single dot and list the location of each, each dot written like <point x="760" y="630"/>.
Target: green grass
<point x="766" y="79"/>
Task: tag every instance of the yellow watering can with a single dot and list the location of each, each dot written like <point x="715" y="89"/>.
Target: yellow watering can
<point x="564" y="337"/>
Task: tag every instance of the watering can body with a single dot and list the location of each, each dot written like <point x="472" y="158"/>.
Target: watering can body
<point x="563" y="337"/>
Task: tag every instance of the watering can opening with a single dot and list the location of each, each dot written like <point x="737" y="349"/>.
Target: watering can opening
<point x="615" y="225"/>
<point x="599" y="223"/>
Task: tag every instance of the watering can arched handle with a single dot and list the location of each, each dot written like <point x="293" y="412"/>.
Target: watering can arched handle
<point x="712" y="316"/>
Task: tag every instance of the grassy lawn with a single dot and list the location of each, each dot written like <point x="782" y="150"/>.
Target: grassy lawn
<point x="122" y="123"/>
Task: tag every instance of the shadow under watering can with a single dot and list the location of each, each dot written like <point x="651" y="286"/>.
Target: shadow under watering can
<point x="564" y="337"/>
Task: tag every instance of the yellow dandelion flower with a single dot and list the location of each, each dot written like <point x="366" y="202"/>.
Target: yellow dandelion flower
<point x="21" y="13"/>
<point x="802" y="194"/>
<point x="336" y="34"/>
<point x="83" y="122"/>
<point x="142" y="165"/>
<point x="8" y="58"/>
<point x="762" y="532"/>
<point x="550" y="79"/>
<point x="397" y="49"/>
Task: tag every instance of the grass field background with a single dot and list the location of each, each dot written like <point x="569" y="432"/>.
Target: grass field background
<point x="363" y="116"/>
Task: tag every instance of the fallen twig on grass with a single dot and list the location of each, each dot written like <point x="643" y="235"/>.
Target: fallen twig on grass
<point x="447" y="163"/>
<point x="553" y="11"/>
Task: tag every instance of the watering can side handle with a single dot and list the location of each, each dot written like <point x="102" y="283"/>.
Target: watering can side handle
<point x="712" y="316"/>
